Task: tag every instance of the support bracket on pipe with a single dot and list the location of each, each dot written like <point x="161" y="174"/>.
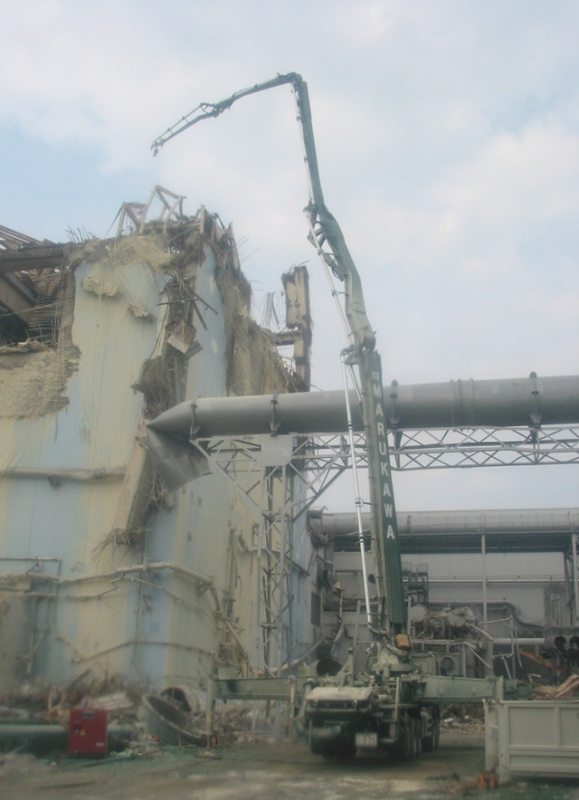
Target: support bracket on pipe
<point x="274" y="424"/>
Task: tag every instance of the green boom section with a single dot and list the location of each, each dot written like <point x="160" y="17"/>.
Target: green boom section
<point x="391" y="616"/>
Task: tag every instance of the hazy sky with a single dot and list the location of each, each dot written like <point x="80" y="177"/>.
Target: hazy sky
<point x="448" y="141"/>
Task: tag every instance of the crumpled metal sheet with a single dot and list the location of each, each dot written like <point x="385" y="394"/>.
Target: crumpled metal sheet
<point x="175" y="460"/>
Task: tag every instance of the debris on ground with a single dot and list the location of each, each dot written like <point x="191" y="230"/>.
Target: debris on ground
<point x="37" y="701"/>
<point x="466" y="718"/>
<point x="38" y="706"/>
<point x="486" y="781"/>
<point x="19" y="764"/>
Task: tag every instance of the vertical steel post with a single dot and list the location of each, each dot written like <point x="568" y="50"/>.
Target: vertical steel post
<point x="575" y="579"/>
<point x="281" y="573"/>
<point x="259" y="644"/>
<point x="483" y="546"/>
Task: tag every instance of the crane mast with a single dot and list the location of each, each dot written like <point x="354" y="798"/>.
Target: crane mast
<point x="326" y="235"/>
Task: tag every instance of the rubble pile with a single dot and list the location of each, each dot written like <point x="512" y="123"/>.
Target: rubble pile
<point x="135" y="733"/>
<point x="463" y="718"/>
<point x="241" y="723"/>
<point x="39" y="702"/>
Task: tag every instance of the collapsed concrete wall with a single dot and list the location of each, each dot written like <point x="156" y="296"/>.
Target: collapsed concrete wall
<point x="101" y="568"/>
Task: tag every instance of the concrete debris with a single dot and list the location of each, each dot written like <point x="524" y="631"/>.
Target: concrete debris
<point x="116" y="703"/>
<point x="141" y="313"/>
<point x="463" y="718"/>
<point x="39" y="702"/>
<point x="150" y="249"/>
<point x="29" y="346"/>
<point x="101" y="285"/>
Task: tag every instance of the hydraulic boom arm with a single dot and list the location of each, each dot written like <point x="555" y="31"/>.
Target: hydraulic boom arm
<point x="326" y="235"/>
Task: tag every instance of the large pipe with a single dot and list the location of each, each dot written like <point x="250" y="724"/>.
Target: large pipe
<point x="122" y="572"/>
<point x="431" y="523"/>
<point x="41" y="739"/>
<point x="504" y="531"/>
<point x="517" y="402"/>
<point x="59" y="475"/>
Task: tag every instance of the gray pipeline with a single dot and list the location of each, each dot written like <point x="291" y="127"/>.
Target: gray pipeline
<point x="517" y="402"/>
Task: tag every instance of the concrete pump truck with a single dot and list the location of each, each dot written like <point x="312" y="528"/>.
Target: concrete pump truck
<point x="394" y="704"/>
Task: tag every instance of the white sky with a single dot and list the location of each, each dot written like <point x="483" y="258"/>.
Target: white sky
<point x="447" y="135"/>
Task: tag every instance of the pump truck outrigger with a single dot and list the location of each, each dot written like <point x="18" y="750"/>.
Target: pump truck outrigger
<point x="394" y="705"/>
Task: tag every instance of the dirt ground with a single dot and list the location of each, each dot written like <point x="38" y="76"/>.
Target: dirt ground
<point x="262" y="770"/>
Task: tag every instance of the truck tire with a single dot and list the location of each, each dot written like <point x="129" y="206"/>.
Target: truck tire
<point x="430" y="742"/>
<point x="344" y="751"/>
<point x="335" y="751"/>
<point x="405" y="749"/>
<point x="417" y="737"/>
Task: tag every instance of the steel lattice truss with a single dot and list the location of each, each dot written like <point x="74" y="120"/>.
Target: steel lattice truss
<point x="281" y="477"/>
<point x="456" y="448"/>
<point x="450" y="448"/>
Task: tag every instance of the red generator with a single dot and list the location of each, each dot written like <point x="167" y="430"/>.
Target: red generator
<point x="87" y="732"/>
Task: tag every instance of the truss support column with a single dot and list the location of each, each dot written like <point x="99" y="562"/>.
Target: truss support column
<point x="260" y="655"/>
<point x="490" y="650"/>
<point x="575" y="580"/>
<point x="483" y="546"/>
<point x="274" y="612"/>
<point x="283" y="578"/>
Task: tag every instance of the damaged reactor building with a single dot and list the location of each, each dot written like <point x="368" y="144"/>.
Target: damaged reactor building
<point x="101" y="567"/>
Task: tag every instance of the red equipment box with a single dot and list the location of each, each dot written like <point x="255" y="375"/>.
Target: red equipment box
<point x="87" y="732"/>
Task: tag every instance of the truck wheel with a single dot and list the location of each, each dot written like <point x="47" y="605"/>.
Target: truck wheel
<point x="411" y="733"/>
<point x="337" y="751"/>
<point x="405" y="749"/>
<point x="417" y="737"/>
<point x="430" y="743"/>
<point x="344" y="751"/>
<point x="436" y="735"/>
<point x="324" y="750"/>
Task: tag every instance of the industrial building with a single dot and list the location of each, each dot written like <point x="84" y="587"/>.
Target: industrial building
<point x="112" y="564"/>
<point x="102" y="568"/>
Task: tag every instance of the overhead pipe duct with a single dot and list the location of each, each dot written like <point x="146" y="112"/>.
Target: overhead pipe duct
<point x="506" y="530"/>
<point x="514" y="402"/>
<point x="527" y="520"/>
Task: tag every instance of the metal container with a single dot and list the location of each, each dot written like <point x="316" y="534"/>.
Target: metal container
<point x="87" y="732"/>
<point x="532" y="739"/>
